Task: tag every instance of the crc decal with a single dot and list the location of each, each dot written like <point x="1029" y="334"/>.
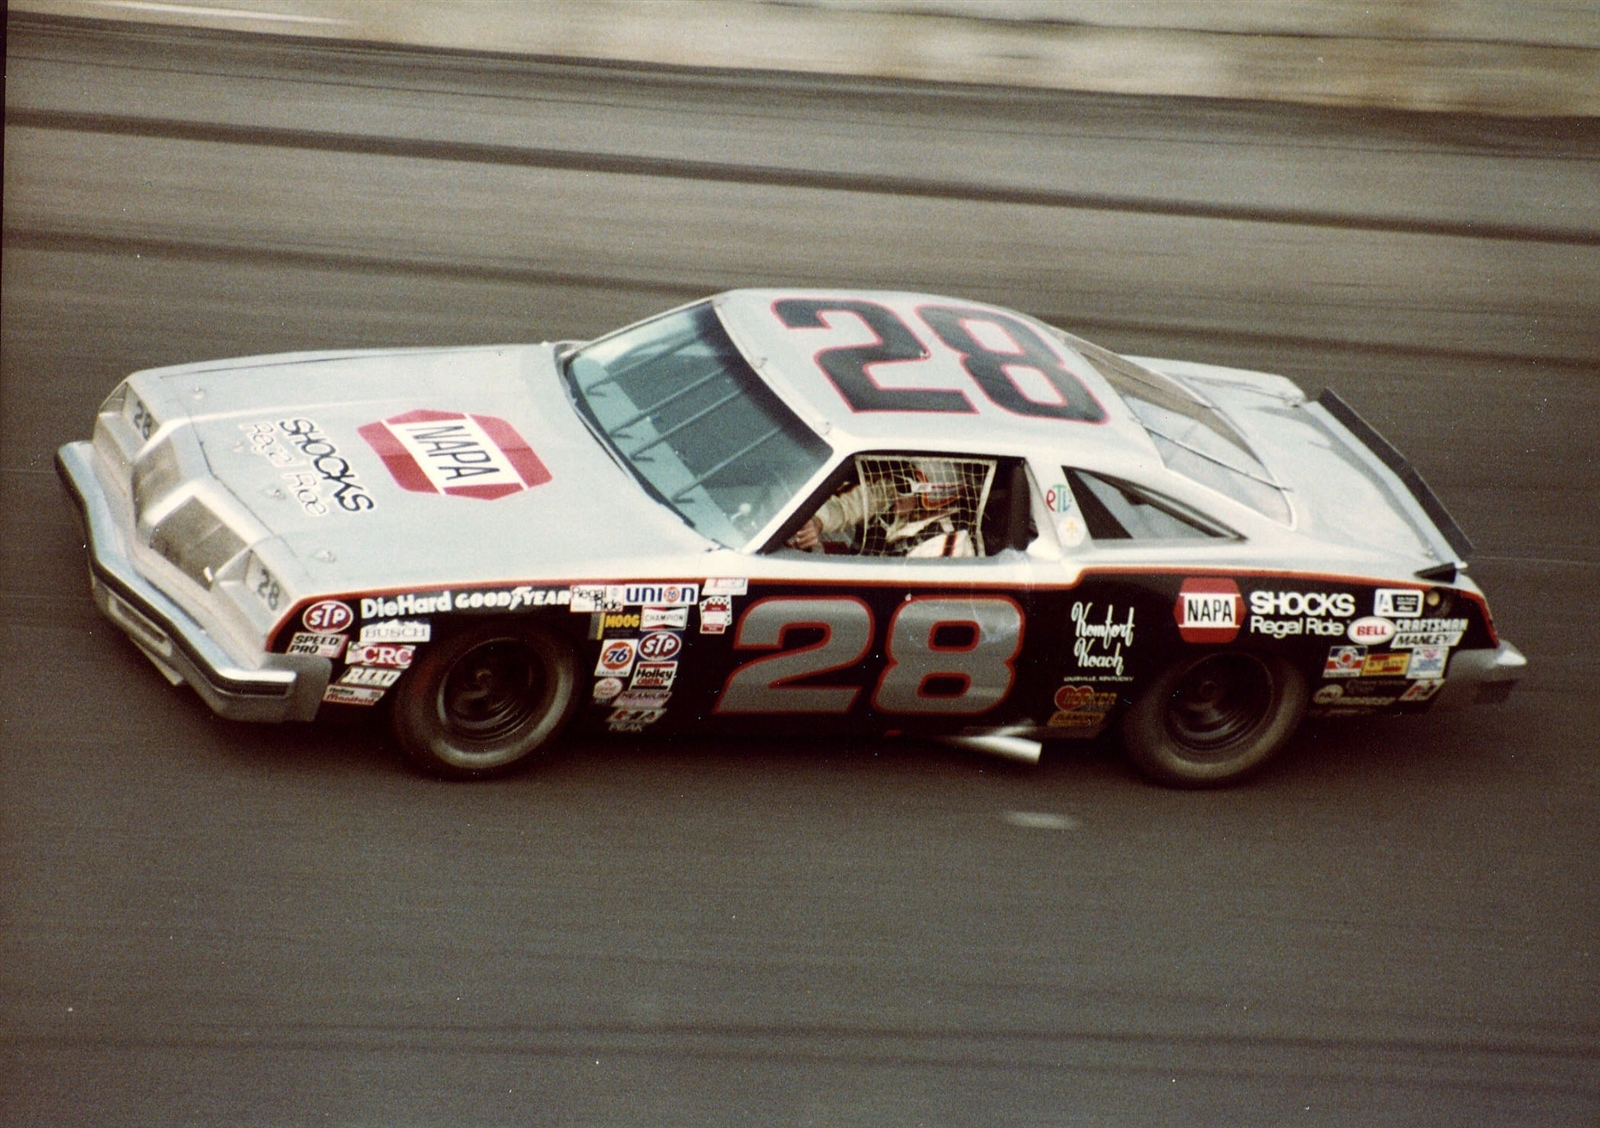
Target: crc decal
<point x="658" y="646"/>
<point x="1098" y="641"/>
<point x="317" y="644"/>
<point x="399" y="630"/>
<point x="381" y="654"/>
<point x="453" y="453"/>
<point x="1208" y="610"/>
<point x="616" y="657"/>
<point x="1397" y="603"/>
<point x="945" y="655"/>
<point x="1371" y="631"/>
<point x="1344" y="661"/>
<point x="326" y="616"/>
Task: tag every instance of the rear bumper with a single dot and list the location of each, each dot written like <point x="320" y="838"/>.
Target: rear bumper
<point x="1481" y="677"/>
<point x="279" y="687"/>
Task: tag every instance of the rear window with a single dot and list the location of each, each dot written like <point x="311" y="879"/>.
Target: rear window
<point x="1192" y="438"/>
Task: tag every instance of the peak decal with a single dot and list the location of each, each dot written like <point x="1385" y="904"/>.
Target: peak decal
<point x="450" y="452"/>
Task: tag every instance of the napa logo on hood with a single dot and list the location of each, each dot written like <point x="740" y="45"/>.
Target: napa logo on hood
<point x="451" y="452"/>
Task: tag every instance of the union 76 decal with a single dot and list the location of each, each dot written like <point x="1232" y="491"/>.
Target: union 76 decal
<point x="453" y="453"/>
<point x="946" y="655"/>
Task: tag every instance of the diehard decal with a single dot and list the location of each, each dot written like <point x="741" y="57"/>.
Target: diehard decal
<point x="403" y="630"/>
<point x="317" y="644"/>
<point x="428" y="603"/>
<point x="616" y="657"/>
<point x="1344" y="661"/>
<point x="1397" y="603"/>
<point x="1371" y="631"/>
<point x="1208" y="610"/>
<point x="453" y="453"/>
<point x="1098" y="640"/>
<point x="326" y="616"/>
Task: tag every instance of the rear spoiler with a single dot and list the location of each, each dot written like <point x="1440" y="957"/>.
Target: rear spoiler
<point x="1385" y="452"/>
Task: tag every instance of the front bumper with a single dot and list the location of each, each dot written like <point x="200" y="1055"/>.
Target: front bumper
<point x="277" y="687"/>
<point x="1481" y="677"/>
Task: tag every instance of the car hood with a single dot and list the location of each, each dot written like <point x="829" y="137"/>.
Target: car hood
<point x="395" y="469"/>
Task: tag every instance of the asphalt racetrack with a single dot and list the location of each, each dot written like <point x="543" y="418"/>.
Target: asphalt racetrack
<point x="213" y="923"/>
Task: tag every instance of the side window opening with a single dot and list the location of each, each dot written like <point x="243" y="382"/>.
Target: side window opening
<point x="1119" y="511"/>
<point x="914" y="505"/>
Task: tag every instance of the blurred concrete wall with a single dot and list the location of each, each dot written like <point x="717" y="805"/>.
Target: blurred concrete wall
<point x="1519" y="57"/>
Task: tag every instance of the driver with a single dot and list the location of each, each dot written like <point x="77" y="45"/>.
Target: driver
<point x="910" y="506"/>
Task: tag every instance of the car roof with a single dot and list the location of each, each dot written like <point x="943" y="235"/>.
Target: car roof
<point x="787" y="357"/>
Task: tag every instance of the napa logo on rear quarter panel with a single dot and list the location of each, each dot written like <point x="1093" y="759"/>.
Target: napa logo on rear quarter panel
<point x="450" y="452"/>
<point x="1209" y="609"/>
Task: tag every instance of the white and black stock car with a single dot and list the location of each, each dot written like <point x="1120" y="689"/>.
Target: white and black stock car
<point x="856" y="511"/>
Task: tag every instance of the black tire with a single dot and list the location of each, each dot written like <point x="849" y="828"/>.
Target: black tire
<point x="484" y="701"/>
<point x="1213" y="719"/>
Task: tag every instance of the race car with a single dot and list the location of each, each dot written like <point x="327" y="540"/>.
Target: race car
<point x="830" y="511"/>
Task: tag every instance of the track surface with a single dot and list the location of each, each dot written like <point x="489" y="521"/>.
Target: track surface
<point x="213" y="923"/>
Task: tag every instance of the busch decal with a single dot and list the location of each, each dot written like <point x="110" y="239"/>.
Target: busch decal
<point x="397" y="630"/>
<point x="327" y="616"/>
<point x="1208" y="610"/>
<point x="450" y="452"/>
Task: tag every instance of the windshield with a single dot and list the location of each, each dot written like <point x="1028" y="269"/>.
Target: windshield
<point x="694" y="422"/>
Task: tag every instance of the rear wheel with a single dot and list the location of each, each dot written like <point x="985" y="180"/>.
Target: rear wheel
<point x="1214" y="719"/>
<point x="484" y="701"/>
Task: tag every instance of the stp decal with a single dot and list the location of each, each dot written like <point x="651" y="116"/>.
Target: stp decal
<point x="1208" y="610"/>
<point x="327" y="615"/>
<point x="454" y="453"/>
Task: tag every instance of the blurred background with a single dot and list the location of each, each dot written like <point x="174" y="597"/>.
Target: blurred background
<point x="206" y="923"/>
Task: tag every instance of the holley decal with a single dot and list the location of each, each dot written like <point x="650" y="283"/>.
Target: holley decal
<point x="451" y="452"/>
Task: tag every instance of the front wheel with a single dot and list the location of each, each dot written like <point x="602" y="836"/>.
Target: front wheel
<point x="1212" y="720"/>
<point x="485" y="700"/>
